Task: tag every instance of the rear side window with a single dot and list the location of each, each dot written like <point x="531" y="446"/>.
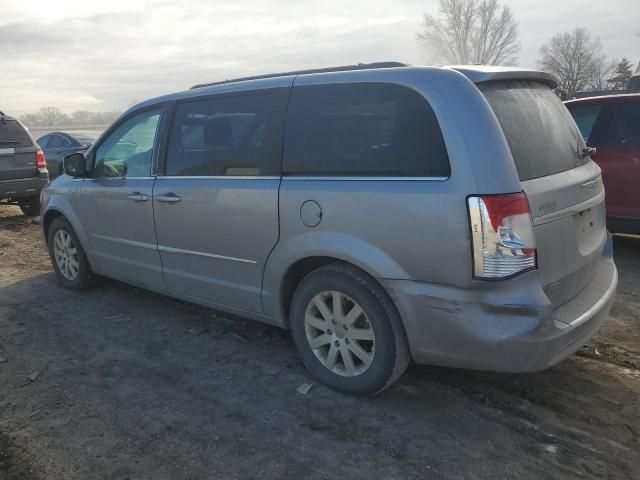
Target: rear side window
<point x="58" y="141"/>
<point x="585" y="117"/>
<point x="624" y="126"/>
<point x="13" y="135"/>
<point x="223" y="136"/>
<point x="362" y="129"/>
<point x="542" y="135"/>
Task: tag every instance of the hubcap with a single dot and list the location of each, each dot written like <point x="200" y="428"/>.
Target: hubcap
<point x="339" y="333"/>
<point x="66" y="255"/>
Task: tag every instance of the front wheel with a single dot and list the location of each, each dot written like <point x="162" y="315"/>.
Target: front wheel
<point x="30" y="206"/>
<point x="347" y="330"/>
<point x="67" y="256"/>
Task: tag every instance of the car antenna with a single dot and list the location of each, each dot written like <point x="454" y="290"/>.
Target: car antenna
<point x="4" y="120"/>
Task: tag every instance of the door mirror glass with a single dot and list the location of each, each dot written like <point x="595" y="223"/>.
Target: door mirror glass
<point x="74" y="165"/>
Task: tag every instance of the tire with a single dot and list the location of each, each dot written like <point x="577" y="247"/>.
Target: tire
<point x="30" y="206"/>
<point x="83" y="277"/>
<point x="388" y="352"/>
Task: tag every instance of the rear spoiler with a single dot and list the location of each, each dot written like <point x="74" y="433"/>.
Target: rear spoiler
<point x="484" y="73"/>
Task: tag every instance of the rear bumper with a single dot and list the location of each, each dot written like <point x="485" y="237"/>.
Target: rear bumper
<point x="22" y="187"/>
<point x="505" y="326"/>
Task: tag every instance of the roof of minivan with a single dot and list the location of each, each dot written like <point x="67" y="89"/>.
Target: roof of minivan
<point x="620" y="97"/>
<point x="475" y="73"/>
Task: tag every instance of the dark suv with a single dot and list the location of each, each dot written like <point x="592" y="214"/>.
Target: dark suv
<point x="23" y="168"/>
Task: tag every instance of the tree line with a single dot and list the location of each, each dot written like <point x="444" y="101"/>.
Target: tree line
<point x="485" y="32"/>
<point x="53" y="116"/>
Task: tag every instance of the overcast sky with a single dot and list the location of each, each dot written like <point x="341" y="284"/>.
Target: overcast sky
<point x="105" y="55"/>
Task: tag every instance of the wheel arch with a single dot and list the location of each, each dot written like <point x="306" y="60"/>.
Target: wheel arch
<point x="293" y="260"/>
<point x="58" y="206"/>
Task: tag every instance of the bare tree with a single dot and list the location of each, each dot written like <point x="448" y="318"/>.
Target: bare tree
<point x="52" y="116"/>
<point x="471" y="32"/>
<point x="577" y="61"/>
<point x="601" y="74"/>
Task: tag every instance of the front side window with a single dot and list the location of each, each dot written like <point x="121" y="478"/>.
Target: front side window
<point x="222" y="136"/>
<point x="585" y="117"/>
<point x="128" y="150"/>
<point x="362" y="129"/>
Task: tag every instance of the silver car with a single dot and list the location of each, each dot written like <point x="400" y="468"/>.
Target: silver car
<point x="382" y="212"/>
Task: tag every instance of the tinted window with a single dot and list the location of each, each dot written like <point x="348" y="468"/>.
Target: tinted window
<point x="624" y="129"/>
<point x="13" y="135"/>
<point x="541" y="133"/>
<point x="219" y="136"/>
<point x="58" y="141"/>
<point x="362" y="129"/>
<point x="42" y="141"/>
<point x="127" y="151"/>
<point x="585" y="117"/>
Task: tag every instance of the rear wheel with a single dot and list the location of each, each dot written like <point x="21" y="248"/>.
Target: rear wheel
<point x="348" y="331"/>
<point x="67" y="256"/>
<point x="30" y="206"/>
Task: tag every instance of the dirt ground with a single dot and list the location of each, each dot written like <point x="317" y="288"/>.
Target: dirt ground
<point x="120" y="383"/>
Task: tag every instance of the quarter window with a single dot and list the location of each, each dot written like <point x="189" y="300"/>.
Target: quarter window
<point x="223" y="136"/>
<point x="362" y="129"/>
<point x="585" y="117"/>
<point x="128" y="150"/>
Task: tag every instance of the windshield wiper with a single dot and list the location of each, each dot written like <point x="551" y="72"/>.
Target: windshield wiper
<point x="9" y="141"/>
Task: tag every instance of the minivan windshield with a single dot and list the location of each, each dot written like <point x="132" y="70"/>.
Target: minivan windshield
<point x="541" y="133"/>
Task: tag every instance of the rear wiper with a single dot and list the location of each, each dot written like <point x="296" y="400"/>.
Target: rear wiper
<point x="586" y="151"/>
<point x="9" y="141"/>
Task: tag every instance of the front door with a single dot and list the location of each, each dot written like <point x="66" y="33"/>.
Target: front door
<point x="116" y="202"/>
<point x="216" y="209"/>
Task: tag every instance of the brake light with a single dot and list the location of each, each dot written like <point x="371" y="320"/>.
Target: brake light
<point x="502" y="235"/>
<point x="41" y="161"/>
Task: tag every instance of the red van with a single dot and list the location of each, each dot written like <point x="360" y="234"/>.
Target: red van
<point x="611" y="124"/>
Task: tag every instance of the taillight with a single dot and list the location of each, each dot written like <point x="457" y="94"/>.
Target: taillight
<point x="41" y="162"/>
<point x="502" y="234"/>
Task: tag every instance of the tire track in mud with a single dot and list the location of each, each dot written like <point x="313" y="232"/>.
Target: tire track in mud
<point x="610" y="353"/>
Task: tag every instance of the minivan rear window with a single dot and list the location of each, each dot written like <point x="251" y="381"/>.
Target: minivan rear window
<point x="13" y="135"/>
<point x="362" y="129"/>
<point x="541" y="133"/>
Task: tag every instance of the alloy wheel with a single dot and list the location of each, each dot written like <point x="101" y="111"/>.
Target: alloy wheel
<point x="66" y="255"/>
<point x="339" y="333"/>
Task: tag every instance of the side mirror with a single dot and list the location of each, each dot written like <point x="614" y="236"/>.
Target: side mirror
<point x="74" y="165"/>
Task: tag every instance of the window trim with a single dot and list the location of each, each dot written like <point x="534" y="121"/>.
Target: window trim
<point x="91" y="161"/>
<point x="277" y="107"/>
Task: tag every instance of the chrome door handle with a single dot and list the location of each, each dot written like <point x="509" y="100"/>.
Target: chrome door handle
<point x="169" y="198"/>
<point x="138" y="197"/>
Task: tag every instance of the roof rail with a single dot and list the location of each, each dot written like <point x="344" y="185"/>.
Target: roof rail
<point x="343" y="68"/>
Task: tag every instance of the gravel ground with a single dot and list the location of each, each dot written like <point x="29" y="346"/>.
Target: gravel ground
<point x="120" y="383"/>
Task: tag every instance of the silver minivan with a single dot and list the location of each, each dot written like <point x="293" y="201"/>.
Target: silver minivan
<point x="382" y="212"/>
